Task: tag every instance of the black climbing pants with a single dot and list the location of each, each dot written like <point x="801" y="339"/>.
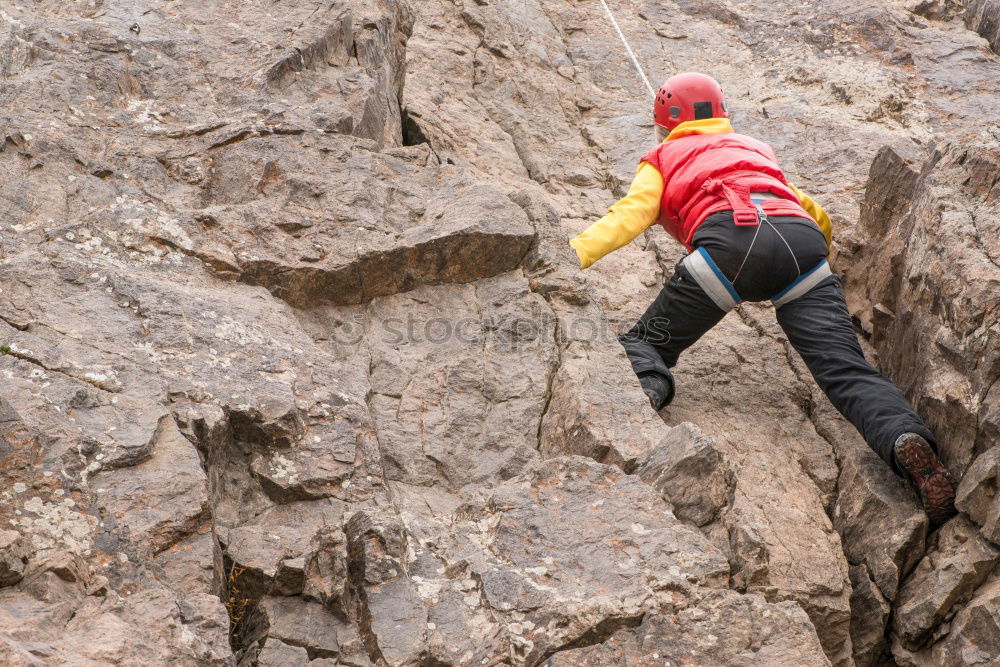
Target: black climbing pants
<point x="759" y="263"/>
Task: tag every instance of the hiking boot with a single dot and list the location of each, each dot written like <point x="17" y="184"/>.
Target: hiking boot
<point x="659" y="388"/>
<point x="932" y="480"/>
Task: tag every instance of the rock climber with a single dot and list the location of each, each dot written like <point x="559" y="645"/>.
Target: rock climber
<point x="752" y="236"/>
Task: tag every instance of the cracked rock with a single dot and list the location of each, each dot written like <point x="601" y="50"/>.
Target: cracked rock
<point x="691" y="474"/>
<point x="14" y="552"/>
<point x="947" y="576"/>
<point x="161" y="500"/>
<point x="979" y="494"/>
<point x="974" y="637"/>
<point x="877" y="519"/>
<point x="720" y="629"/>
<point x="869" y="616"/>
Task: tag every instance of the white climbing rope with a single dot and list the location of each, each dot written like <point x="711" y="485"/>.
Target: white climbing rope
<point x="631" y="54"/>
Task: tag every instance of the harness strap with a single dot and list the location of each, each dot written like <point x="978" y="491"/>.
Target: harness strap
<point x="711" y="279"/>
<point x="738" y="197"/>
<point x="803" y="284"/>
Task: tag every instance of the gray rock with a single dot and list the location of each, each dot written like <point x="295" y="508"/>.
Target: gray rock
<point x="981" y="16"/>
<point x="771" y="529"/>
<point x="938" y="10"/>
<point x="188" y="565"/>
<point x="391" y="614"/>
<point x="974" y="637"/>
<point x="781" y="541"/>
<point x="558" y="553"/>
<point x="141" y="626"/>
<point x="691" y="474"/>
<point x="878" y="520"/>
<point x="269" y="548"/>
<point x="305" y="624"/>
<point x="869" y="616"/>
<point x="945" y="363"/>
<point x="14" y="552"/>
<point x="162" y="500"/>
<point x="947" y="576"/>
<point x="720" y="629"/>
<point x="279" y="654"/>
<point x="977" y="494"/>
<point x="477" y="234"/>
<point x="325" y="574"/>
<point x="591" y="365"/>
<point x="19" y="655"/>
<point x="912" y="207"/>
<point x="459" y="378"/>
<point x="591" y="542"/>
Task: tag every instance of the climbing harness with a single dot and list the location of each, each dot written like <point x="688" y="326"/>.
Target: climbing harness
<point x="803" y="284"/>
<point x="711" y="279"/>
<point x="723" y="294"/>
<point x="631" y="54"/>
<point x="722" y="291"/>
<point x="798" y="269"/>
<point x="758" y="201"/>
<point x="761" y="216"/>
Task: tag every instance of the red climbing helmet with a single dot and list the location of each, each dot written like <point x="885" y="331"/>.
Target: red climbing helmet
<point x="688" y="96"/>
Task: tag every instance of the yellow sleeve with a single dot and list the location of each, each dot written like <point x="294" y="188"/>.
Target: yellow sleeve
<point x="817" y="213"/>
<point x="625" y="220"/>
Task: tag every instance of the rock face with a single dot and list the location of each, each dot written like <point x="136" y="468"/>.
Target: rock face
<point x="952" y="568"/>
<point x="726" y="629"/>
<point x="977" y="495"/>
<point x="983" y="16"/>
<point x="299" y="368"/>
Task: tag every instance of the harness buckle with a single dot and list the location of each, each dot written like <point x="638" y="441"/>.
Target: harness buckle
<point x="746" y="218"/>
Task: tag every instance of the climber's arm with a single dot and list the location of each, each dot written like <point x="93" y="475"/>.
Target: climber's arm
<point x="817" y="213"/>
<point x="625" y="220"/>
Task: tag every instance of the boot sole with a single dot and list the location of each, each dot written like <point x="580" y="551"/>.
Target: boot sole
<point x="931" y="478"/>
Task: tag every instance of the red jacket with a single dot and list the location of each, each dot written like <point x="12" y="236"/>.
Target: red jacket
<point x="708" y="173"/>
